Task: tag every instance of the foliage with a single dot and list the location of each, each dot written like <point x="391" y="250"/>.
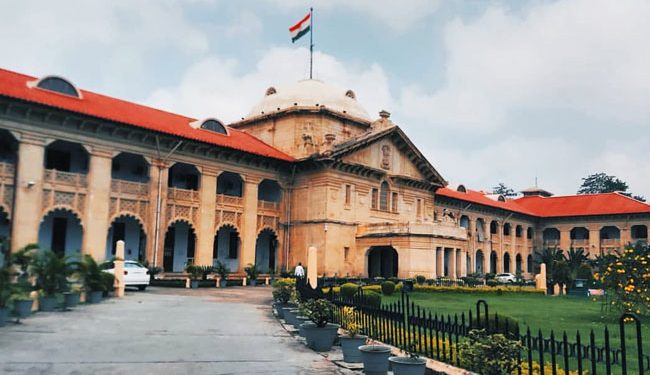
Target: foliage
<point x="282" y="293"/>
<point x="488" y="354"/>
<point x="387" y="288"/>
<point x="548" y="370"/>
<point x="420" y="279"/>
<point x="205" y="271"/>
<point x="561" y="273"/>
<point x="502" y="189"/>
<point x="549" y="256"/>
<point x="348" y="290"/>
<point x="153" y="270"/>
<point x="473" y="290"/>
<point x="604" y="183"/>
<point x="350" y="321"/>
<point x="471" y="280"/>
<point x="320" y="311"/>
<point x="372" y="299"/>
<point x="288" y="281"/>
<point x="108" y="281"/>
<point x="7" y="288"/>
<point x="252" y="271"/>
<point x="222" y="270"/>
<point x="51" y="272"/>
<point x="92" y="274"/>
<point x="498" y="324"/>
<point x="492" y="283"/>
<point x="627" y="277"/>
<point x="194" y="272"/>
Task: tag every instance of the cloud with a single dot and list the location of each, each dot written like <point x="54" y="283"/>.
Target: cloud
<point x="215" y="87"/>
<point x="246" y="23"/>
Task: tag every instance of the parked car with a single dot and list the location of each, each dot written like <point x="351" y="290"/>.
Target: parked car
<point x="135" y="274"/>
<point x="506" y="278"/>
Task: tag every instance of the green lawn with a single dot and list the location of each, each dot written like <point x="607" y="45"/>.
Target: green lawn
<point x="539" y="312"/>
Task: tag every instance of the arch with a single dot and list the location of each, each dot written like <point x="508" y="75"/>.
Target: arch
<point x="529" y="233"/>
<point x="464" y="221"/>
<point x="551" y="234"/>
<point x="494" y="227"/>
<point x="519" y="231"/>
<point x="461" y="188"/>
<point x="383" y="261"/>
<point x="130" y="167"/>
<point x="269" y="191"/>
<point x="61" y="207"/>
<point x="579" y="233"/>
<point x="179" y="245"/>
<point x="231" y="184"/>
<point x="184" y="176"/>
<point x="507" y="229"/>
<point x="56" y="84"/>
<point x="610" y="232"/>
<point x="227" y="246"/>
<point x="493" y="261"/>
<point x="5" y="233"/>
<point x="529" y="263"/>
<point x="66" y="156"/>
<point x="478" y="263"/>
<point x="480" y="229"/>
<point x="639" y="232"/>
<point x="506" y="262"/>
<point x="518" y="265"/>
<point x="215" y="126"/>
<point x="384" y="196"/>
<point x="61" y="231"/>
<point x="266" y="250"/>
<point x="130" y="229"/>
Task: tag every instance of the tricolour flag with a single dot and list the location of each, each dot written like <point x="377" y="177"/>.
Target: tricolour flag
<point x="301" y="28"/>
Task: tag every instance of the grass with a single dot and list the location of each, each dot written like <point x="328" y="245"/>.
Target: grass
<point x="547" y="313"/>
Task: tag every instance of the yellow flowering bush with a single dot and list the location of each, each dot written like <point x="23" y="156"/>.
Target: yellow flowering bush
<point x="548" y="370"/>
<point x="349" y="321"/>
<point x="627" y="278"/>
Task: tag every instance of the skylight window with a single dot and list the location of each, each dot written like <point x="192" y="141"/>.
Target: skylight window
<point x="215" y="126"/>
<point x="59" y="85"/>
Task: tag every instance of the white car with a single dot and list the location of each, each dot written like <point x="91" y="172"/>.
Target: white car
<point x="506" y="278"/>
<point x="135" y="274"/>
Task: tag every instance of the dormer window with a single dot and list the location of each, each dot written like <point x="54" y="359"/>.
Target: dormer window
<point x="56" y="84"/>
<point x="350" y="94"/>
<point x="270" y="91"/>
<point x="214" y="126"/>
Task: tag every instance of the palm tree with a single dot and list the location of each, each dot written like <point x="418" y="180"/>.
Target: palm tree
<point x="549" y="256"/>
<point x="575" y="259"/>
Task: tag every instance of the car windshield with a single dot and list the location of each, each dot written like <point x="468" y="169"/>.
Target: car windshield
<point x="133" y="265"/>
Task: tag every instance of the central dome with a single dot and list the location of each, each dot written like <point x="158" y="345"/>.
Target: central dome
<point x="310" y="93"/>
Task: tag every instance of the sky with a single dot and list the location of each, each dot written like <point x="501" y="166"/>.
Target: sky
<point x="489" y="91"/>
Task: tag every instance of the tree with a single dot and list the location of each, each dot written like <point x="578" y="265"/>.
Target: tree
<point x="603" y="183"/>
<point x="575" y="259"/>
<point x="502" y="189"/>
<point x="627" y="278"/>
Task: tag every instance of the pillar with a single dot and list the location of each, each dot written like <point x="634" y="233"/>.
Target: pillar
<point x="463" y="263"/>
<point x="95" y="222"/>
<point x="452" y="264"/>
<point x="158" y="174"/>
<point x="594" y="241"/>
<point x="119" y="269"/>
<point x="565" y="239"/>
<point x="440" y="262"/>
<point x="434" y="265"/>
<point x="205" y="233"/>
<point x="249" y="222"/>
<point x="27" y="212"/>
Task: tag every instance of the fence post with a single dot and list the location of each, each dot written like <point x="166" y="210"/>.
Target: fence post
<point x="485" y="312"/>
<point x="639" y="343"/>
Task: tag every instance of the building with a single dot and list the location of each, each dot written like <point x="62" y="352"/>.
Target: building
<point x="307" y="167"/>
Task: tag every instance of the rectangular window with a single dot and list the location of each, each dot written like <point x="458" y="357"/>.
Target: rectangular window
<point x="418" y="211"/>
<point x="373" y="199"/>
<point x="394" y="202"/>
<point x="346" y="253"/>
<point x="348" y="195"/>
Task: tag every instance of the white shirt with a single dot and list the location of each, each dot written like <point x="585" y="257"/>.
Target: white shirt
<point x="299" y="271"/>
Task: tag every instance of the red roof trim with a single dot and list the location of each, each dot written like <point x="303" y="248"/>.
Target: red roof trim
<point x="14" y="85"/>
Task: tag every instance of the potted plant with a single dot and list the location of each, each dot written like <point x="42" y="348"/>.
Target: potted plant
<point x="195" y="274"/>
<point x="412" y="364"/>
<point x="7" y="291"/>
<point x="320" y="333"/>
<point x="252" y="272"/>
<point x="51" y="272"/>
<point x="375" y="359"/>
<point x="351" y="341"/>
<point x="223" y="271"/>
<point x="71" y="297"/>
<point x="281" y="295"/>
<point x="93" y="278"/>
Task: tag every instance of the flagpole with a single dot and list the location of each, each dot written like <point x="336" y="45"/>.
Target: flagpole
<point x="311" y="41"/>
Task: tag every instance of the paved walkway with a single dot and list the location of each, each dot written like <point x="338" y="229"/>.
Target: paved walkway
<point x="161" y="331"/>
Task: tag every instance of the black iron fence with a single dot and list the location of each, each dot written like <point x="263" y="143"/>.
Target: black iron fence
<point x="407" y="326"/>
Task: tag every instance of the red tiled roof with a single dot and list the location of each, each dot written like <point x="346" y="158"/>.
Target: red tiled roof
<point x="14" y="85"/>
<point x="583" y="205"/>
<point x="571" y="205"/>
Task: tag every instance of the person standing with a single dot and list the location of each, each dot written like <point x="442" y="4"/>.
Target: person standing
<point x="299" y="272"/>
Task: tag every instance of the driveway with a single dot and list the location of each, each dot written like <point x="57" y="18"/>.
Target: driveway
<point x="161" y="331"/>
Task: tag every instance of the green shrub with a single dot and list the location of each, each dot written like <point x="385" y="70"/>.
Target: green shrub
<point x="503" y="321"/>
<point x="282" y="293"/>
<point x="320" y="311"/>
<point x="372" y="299"/>
<point x="492" y="282"/>
<point x="420" y="279"/>
<point x="285" y="281"/>
<point x="490" y="276"/>
<point x="348" y="290"/>
<point x="108" y="281"/>
<point x="387" y="288"/>
<point x="488" y="354"/>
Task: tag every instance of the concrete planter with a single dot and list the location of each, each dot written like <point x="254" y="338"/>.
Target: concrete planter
<point x="279" y="308"/>
<point x="290" y="316"/>
<point x="408" y="365"/>
<point x="223" y="283"/>
<point x="47" y="303"/>
<point x="252" y="282"/>
<point x="94" y="296"/>
<point x="350" y="347"/>
<point x="4" y="315"/>
<point x="375" y="359"/>
<point x="70" y="299"/>
<point x="194" y="284"/>
<point x="23" y="308"/>
<point x="320" y="339"/>
<point x="300" y="320"/>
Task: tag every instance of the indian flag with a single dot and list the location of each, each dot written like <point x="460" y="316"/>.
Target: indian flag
<point x="301" y="28"/>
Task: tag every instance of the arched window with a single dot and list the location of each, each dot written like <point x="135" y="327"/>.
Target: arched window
<point x="214" y="126"/>
<point x="58" y="84"/>
<point x="383" y="196"/>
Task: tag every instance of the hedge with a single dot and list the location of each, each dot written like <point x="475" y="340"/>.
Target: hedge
<point x="472" y="290"/>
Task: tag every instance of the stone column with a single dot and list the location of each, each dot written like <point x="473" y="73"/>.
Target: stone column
<point x="463" y="263"/>
<point x="594" y="241"/>
<point x="440" y="262"/>
<point x="626" y="235"/>
<point x="249" y="222"/>
<point x="565" y="239"/>
<point x="205" y="233"/>
<point x="524" y="252"/>
<point x="158" y="174"/>
<point x="27" y="212"/>
<point x="434" y="265"/>
<point x="95" y="222"/>
<point x="452" y="264"/>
